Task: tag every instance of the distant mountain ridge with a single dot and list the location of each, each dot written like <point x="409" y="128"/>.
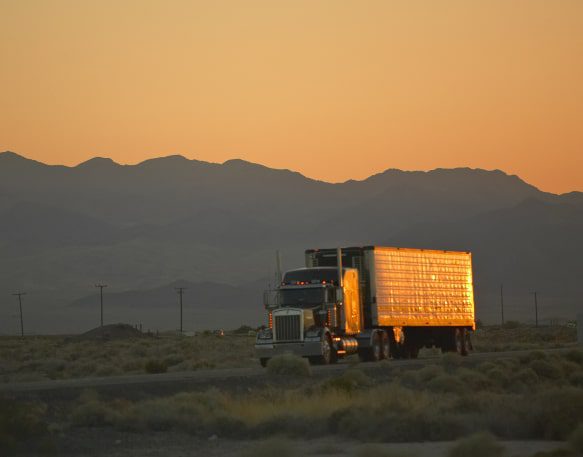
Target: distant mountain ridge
<point x="145" y="225"/>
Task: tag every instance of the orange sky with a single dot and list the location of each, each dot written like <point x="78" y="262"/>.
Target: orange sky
<point x="334" y="89"/>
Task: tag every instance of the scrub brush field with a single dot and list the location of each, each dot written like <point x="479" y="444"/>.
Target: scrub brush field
<point x="123" y="352"/>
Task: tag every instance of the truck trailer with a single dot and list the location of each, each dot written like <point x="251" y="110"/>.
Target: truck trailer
<point x="375" y="301"/>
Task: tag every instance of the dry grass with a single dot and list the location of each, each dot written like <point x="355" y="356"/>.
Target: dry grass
<point x="45" y="357"/>
<point x="41" y="358"/>
<point x="522" y="337"/>
<point x="376" y="450"/>
<point x="477" y="445"/>
<point x="505" y="398"/>
<point x="289" y="365"/>
<point x="23" y="428"/>
<point x="270" y="448"/>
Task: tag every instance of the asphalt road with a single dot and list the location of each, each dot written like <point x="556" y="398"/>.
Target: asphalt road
<point x="234" y="375"/>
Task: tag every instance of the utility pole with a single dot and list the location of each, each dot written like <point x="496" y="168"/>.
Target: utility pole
<point x="101" y="286"/>
<point x="502" y="301"/>
<point x="535" y="309"/>
<point x="19" y="295"/>
<point x="180" y="291"/>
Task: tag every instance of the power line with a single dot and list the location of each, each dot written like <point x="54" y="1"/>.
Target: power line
<point x="180" y="291"/>
<point x="101" y="286"/>
<point x="19" y="295"/>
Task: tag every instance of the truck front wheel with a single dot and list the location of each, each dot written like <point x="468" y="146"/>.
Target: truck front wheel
<point x="328" y="353"/>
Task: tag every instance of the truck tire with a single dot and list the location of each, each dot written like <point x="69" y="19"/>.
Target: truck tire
<point x="466" y="343"/>
<point x="328" y="356"/>
<point x="460" y="341"/>
<point x="372" y="353"/>
<point x="385" y="346"/>
<point x="451" y="340"/>
<point x="263" y="361"/>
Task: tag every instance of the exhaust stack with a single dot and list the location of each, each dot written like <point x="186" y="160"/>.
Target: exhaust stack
<point x="278" y="275"/>
<point x="339" y="263"/>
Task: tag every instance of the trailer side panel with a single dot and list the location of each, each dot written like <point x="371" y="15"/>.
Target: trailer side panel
<point x="417" y="287"/>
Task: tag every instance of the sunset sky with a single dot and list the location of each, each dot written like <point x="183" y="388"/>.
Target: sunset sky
<point x="334" y="89"/>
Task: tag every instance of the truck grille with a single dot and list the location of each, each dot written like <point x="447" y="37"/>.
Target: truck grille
<point x="287" y="328"/>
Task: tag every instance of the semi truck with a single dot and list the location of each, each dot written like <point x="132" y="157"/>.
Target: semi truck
<point x="375" y="301"/>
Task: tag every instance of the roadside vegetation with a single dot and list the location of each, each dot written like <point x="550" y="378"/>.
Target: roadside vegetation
<point x="55" y="357"/>
<point x="513" y="336"/>
<point x="535" y="397"/>
<point x="40" y="358"/>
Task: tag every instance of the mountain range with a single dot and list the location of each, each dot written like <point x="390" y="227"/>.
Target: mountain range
<point x="141" y="228"/>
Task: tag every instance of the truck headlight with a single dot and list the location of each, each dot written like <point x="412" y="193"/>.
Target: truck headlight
<point x="265" y="334"/>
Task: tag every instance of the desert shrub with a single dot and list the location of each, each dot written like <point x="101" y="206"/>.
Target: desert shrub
<point x="201" y="364"/>
<point x="546" y="369"/>
<point x="499" y="376"/>
<point x="428" y="372"/>
<point x="556" y="412"/>
<point x="575" y="355"/>
<point x="155" y="366"/>
<point x="378" y="450"/>
<point x="576" y="438"/>
<point x="53" y="368"/>
<point x="526" y="376"/>
<point x="106" y="370"/>
<point x="510" y="325"/>
<point x="23" y="426"/>
<point x="474" y="379"/>
<point x="576" y="378"/>
<point x="328" y="449"/>
<point x="173" y="359"/>
<point x="451" y="361"/>
<point x="446" y="383"/>
<point x="269" y="448"/>
<point x="559" y="452"/>
<point x="533" y="355"/>
<point x="566" y="366"/>
<point x="486" y="366"/>
<point x="289" y="365"/>
<point x="93" y="413"/>
<point x="477" y="445"/>
<point x="349" y="381"/>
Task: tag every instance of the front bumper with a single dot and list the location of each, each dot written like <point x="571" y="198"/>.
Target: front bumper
<point x="301" y="348"/>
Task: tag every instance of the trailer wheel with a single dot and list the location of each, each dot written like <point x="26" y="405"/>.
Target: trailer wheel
<point x="372" y="353"/>
<point x="460" y="341"/>
<point x="385" y="346"/>
<point x="263" y="361"/>
<point x="466" y="343"/>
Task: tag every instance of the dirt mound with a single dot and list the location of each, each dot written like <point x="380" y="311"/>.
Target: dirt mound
<point x="112" y="332"/>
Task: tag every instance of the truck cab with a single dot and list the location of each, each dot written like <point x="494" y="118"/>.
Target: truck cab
<point x="313" y="314"/>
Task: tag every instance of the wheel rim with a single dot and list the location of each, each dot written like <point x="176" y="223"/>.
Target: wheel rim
<point x="326" y="351"/>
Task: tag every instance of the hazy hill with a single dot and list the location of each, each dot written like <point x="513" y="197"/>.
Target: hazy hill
<point x="206" y="305"/>
<point x="139" y="227"/>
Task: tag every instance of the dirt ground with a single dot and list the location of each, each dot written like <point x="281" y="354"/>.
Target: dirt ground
<point x="104" y="442"/>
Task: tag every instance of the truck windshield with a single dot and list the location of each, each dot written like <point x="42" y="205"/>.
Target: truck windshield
<point x="303" y="298"/>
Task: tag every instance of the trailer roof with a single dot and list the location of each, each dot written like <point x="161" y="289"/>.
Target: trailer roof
<point x="388" y="248"/>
